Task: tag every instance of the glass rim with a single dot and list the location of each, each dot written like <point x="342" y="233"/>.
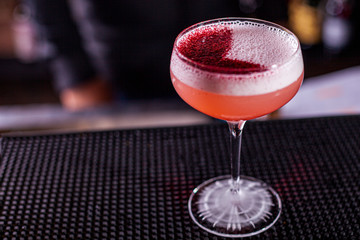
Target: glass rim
<point x="227" y="70"/>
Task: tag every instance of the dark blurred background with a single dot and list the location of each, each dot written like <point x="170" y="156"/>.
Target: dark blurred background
<point x="329" y="31"/>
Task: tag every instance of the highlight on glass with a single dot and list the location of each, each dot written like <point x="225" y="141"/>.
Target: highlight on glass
<point x="236" y="69"/>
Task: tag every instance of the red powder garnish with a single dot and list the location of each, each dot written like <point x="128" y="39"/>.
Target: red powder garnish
<point x="209" y="47"/>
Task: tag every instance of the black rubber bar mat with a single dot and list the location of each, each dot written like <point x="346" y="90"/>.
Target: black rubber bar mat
<point x="135" y="184"/>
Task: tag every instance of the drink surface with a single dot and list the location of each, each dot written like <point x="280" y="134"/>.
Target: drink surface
<point x="238" y="70"/>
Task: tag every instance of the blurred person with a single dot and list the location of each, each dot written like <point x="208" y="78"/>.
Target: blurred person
<point x="105" y="50"/>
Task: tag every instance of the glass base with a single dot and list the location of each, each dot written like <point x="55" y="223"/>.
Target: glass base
<point x="219" y="209"/>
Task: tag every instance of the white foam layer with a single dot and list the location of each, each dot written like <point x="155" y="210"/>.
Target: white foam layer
<point x="273" y="48"/>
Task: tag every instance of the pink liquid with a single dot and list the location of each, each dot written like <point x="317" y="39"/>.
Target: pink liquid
<point x="234" y="108"/>
<point x="228" y="71"/>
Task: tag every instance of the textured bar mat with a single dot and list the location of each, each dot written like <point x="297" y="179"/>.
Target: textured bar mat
<point x="135" y="184"/>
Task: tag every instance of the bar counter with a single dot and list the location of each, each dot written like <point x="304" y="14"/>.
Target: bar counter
<point x="135" y="184"/>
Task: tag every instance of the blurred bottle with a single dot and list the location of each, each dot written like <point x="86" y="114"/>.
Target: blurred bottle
<point x="337" y="30"/>
<point x="305" y="21"/>
<point x="24" y="36"/>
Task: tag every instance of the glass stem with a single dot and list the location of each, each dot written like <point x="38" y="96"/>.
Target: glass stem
<point x="236" y="129"/>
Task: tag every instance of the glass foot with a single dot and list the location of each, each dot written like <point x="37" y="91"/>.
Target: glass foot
<point x="218" y="209"/>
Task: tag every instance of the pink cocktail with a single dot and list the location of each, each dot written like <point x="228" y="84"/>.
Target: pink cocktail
<point x="246" y="77"/>
<point x="236" y="69"/>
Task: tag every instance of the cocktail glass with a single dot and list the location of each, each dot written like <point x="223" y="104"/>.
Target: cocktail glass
<point x="236" y="69"/>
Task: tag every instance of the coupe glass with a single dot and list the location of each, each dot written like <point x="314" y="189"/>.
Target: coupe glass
<point x="236" y="69"/>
